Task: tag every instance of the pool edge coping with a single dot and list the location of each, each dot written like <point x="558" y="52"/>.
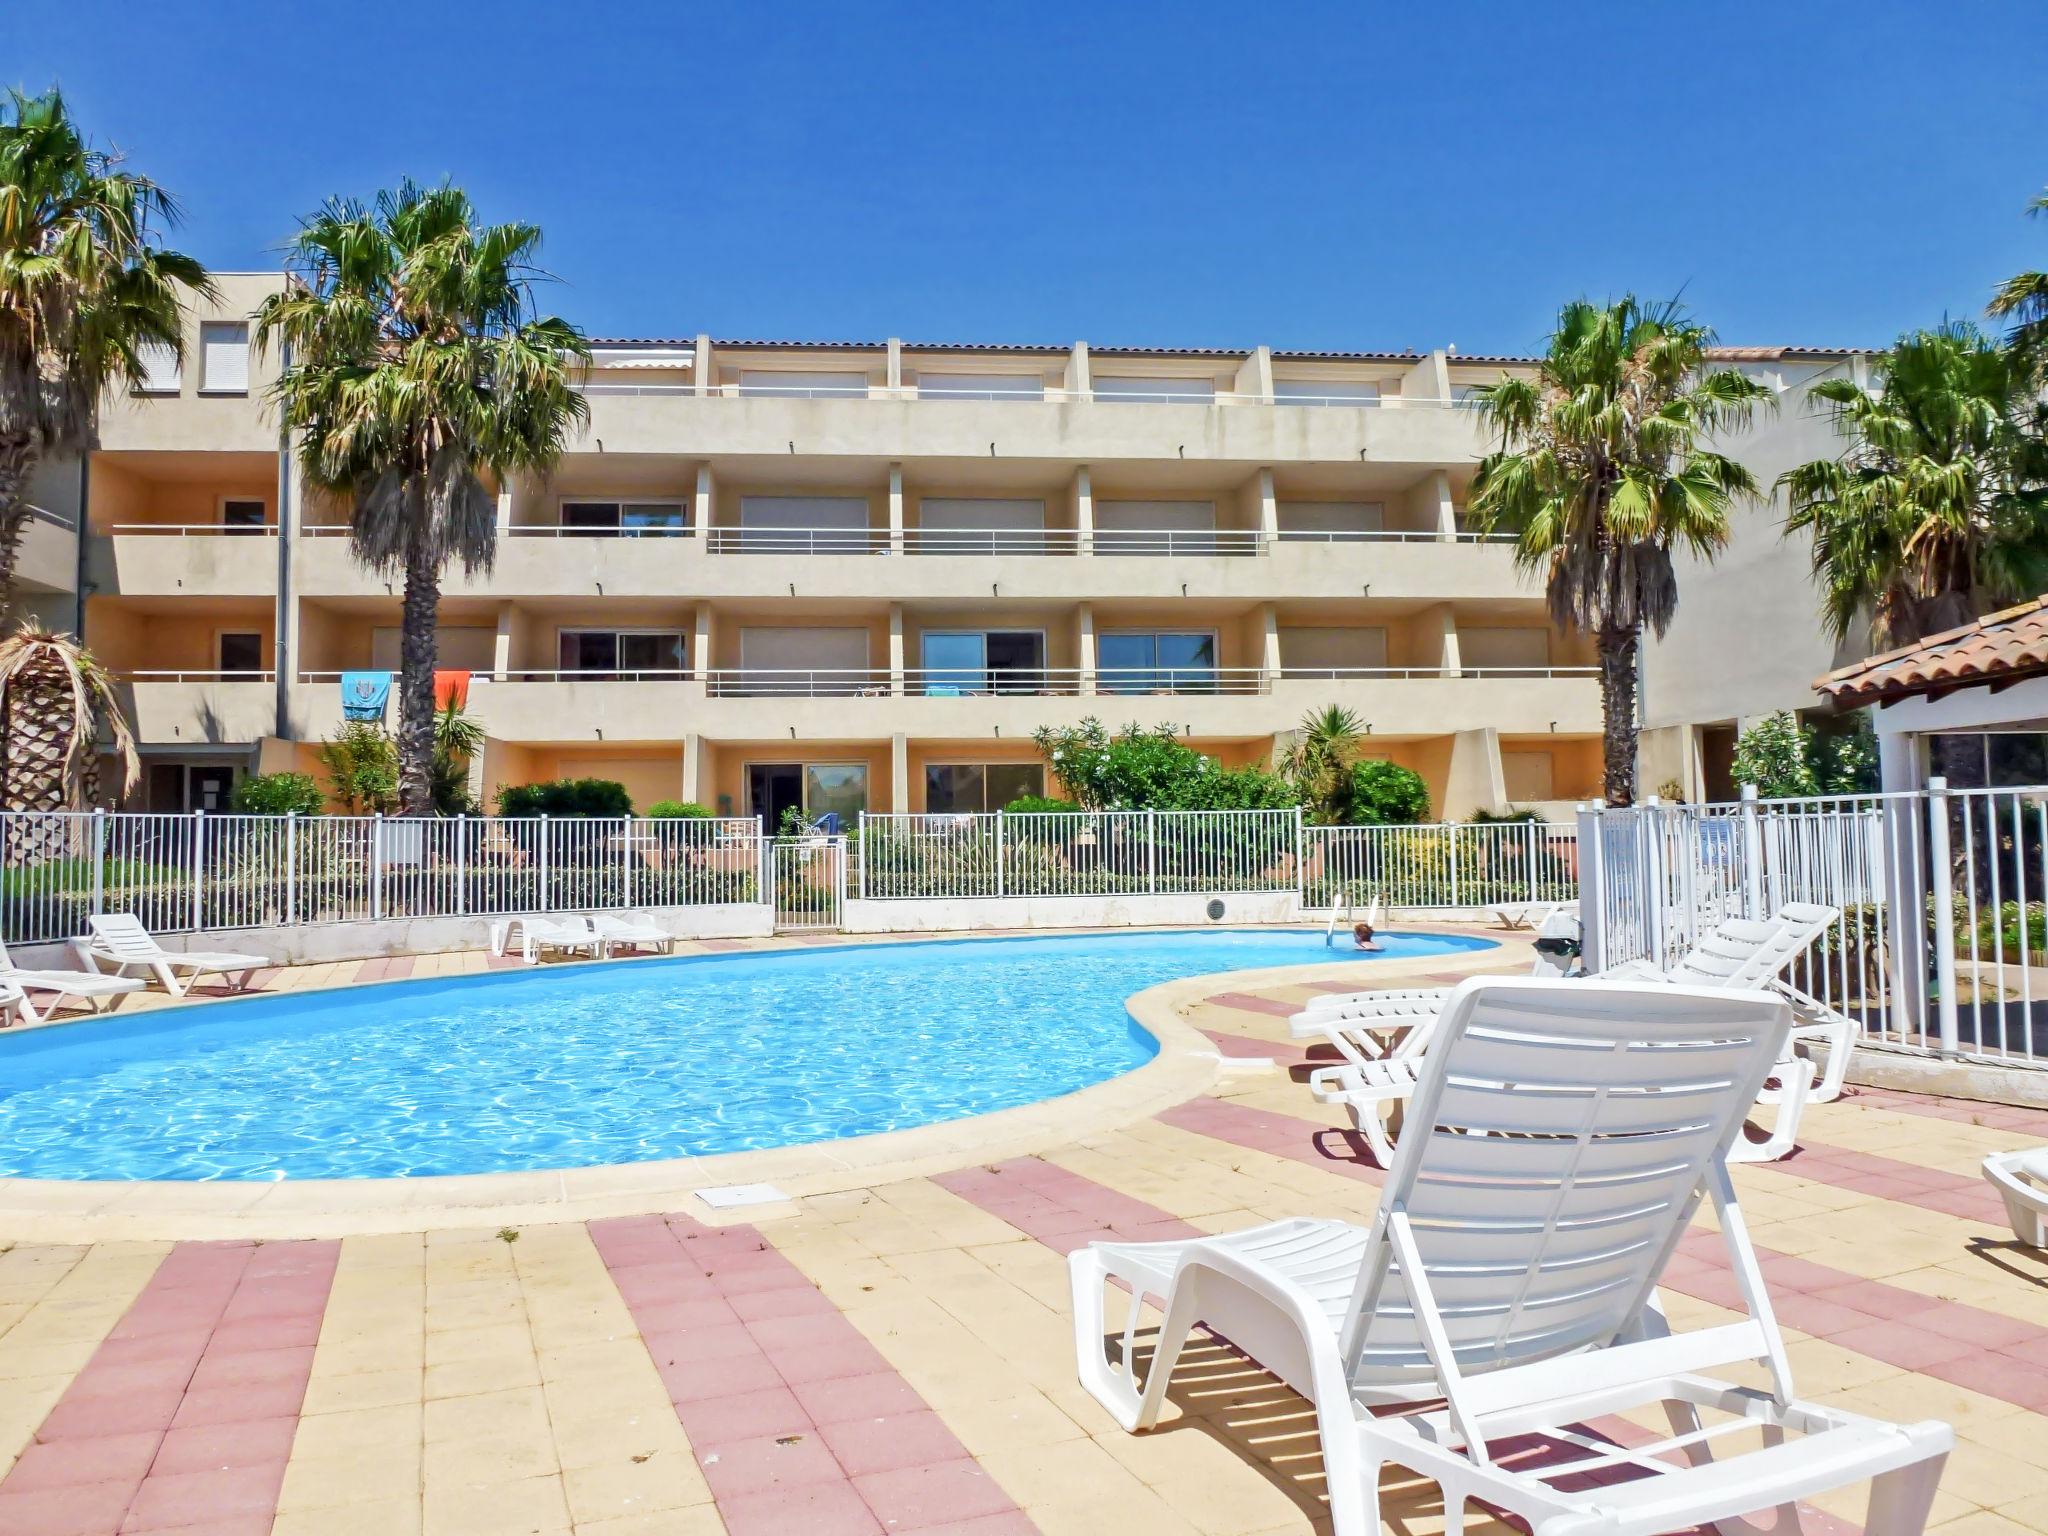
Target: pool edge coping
<point x="1186" y="1065"/>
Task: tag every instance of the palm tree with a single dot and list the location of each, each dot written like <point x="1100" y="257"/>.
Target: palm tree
<point x="55" y="701"/>
<point x="1937" y="510"/>
<point x="458" y="738"/>
<point x="416" y="374"/>
<point x="2023" y="299"/>
<point x="84" y="289"/>
<point x="1601" y="474"/>
<point x="1319" y="760"/>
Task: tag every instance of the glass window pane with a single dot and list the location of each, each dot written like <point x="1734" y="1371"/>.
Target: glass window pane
<point x="652" y="517"/>
<point x="589" y="650"/>
<point x="241" y="653"/>
<point x="590" y="517"/>
<point x="841" y="787"/>
<point x="651" y="651"/>
<point x="955" y="663"/>
<point x="1187" y="662"/>
<point x="1125" y="663"/>
<point x="952" y="788"/>
<point x="1012" y="781"/>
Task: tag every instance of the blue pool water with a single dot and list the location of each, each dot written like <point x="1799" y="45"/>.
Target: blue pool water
<point x="572" y="1067"/>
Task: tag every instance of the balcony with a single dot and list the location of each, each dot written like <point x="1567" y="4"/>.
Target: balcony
<point x="183" y="560"/>
<point x="172" y="708"/>
<point x="48" y="561"/>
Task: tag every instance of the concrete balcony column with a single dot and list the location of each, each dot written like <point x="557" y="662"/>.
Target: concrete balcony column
<point x="703" y="504"/>
<point x="703" y="370"/>
<point x="702" y="638"/>
<point x="1451" y="664"/>
<point x="895" y="509"/>
<point x="1082" y="494"/>
<point x="1428" y="381"/>
<point x="1076" y="381"/>
<point x="899" y="773"/>
<point x="894" y="377"/>
<point x="1261" y="508"/>
<point x="1255" y="374"/>
<point x="1085" y="648"/>
<point x="504" y="510"/>
<point x="501" y="644"/>
<point x="1474" y="781"/>
<point x="693" y="767"/>
<point x="1269" y="649"/>
<point x="896" y="649"/>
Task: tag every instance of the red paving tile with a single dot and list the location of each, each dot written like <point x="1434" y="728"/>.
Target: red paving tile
<point x="183" y="1419"/>
<point x="770" y="1381"/>
<point x="1246" y="1002"/>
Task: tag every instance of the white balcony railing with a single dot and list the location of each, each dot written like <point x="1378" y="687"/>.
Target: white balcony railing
<point x="1051" y="395"/>
<point x="797" y="541"/>
<point x="988" y="541"/>
<point x="1389" y="536"/>
<point x="200" y="675"/>
<point x="195" y="530"/>
<point x="585" y="531"/>
<point x="46" y="515"/>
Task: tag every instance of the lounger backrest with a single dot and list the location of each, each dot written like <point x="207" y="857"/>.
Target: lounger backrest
<point x="122" y="934"/>
<point x="1556" y="1146"/>
<point x="6" y="961"/>
<point x="1745" y="953"/>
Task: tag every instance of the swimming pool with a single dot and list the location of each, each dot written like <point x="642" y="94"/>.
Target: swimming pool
<point x="576" y="1066"/>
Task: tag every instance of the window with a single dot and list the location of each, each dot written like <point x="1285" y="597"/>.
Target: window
<point x="241" y="651"/>
<point x="628" y="519"/>
<point x="954" y="789"/>
<point x="804" y="524"/>
<point x="841" y="787"/>
<point x="1148" y="661"/>
<point x="1145" y="391"/>
<point x="983" y="661"/>
<point x="244" y="515"/>
<point x="1324" y="392"/>
<point x="612" y="651"/>
<point x="162" y="372"/>
<point x="224" y="357"/>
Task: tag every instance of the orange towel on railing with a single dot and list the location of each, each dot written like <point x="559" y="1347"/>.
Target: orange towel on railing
<point x="451" y="687"/>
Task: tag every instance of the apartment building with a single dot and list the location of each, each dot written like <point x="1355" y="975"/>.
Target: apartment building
<point x="844" y="576"/>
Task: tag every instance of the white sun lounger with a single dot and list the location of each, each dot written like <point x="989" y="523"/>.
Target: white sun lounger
<point x="565" y="932"/>
<point x="1506" y="1287"/>
<point x="632" y="930"/>
<point x="1740" y="954"/>
<point x="2022" y="1178"/>
<point x="14" y="1003"/>
<point x="1529" y="914"/>
<point x="86" y="987"/>
<point x="118" y="943"/>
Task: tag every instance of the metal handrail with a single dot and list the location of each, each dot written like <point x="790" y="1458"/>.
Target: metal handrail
<point x="583" y="530"/>
<point x="44" y="514"/>
<point x="264" y="530"/>
<point x="191" y="675"/>
<point x="1389" y="536"/>
<point x="1051" y="394"/>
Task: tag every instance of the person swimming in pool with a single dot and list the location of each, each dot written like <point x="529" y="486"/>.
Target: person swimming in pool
<point x="1361" y="935"/>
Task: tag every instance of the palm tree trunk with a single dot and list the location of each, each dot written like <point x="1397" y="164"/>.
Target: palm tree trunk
<point x="17" y="462"/>
<point x="1618" y="713"/>
<point x="416" y="685"/>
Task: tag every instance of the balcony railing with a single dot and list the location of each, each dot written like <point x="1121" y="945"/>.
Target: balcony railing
<point x="797" y="541"/>
<point x="988" y="541"/>
<point x="195" y="530"/>
<point x="585" y="531"/>
<point x="46" y="515"/>
<point x="1051" y="395"/>
<point x="1389" y="536"/>
<point x="200" y="675"/>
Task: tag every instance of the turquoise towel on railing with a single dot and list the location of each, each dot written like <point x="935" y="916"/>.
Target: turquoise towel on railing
<point x="364" y="695"/>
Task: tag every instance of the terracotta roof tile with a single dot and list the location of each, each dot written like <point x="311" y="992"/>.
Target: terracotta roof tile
<point x="2001" y="647"/>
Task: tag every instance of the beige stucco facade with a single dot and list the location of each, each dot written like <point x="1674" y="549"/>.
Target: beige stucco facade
<point x="762" y="559"/>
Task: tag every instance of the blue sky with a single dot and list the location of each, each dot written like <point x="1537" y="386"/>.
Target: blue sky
<point x="1306" y="175"/>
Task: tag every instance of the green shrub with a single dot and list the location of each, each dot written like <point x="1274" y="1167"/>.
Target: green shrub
<point x="278" y="794"/>
<point x="566" y="797"/>
<point x="677" y="810"/>
<point x="1512" y="816"/>
<point x="1385" y="793"/>
<point x="362" y="768"/>
<point x="1038" y="805"/>
<point x="1154" y="770"/>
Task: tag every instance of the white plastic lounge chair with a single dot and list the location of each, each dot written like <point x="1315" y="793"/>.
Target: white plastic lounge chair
<point x="118" y="943"/>
<point x="632" y="930"/>
<point x="1739" y="955"/>
<point x="567" y="933"/>
<point x="14" y="1004"/>
<point x="1506" y="1286"/>
<point x="1529" y="914"/>
<point x="86" y="987"/>
<point x="2022" y="1178"/>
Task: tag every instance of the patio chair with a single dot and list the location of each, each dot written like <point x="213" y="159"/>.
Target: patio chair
<point x="2022" y="1178"/>
<point x="86" y="987"/>
<point x="632" y="930"/>
<point x="14" y="1004"/>
<point x="1505" y="1292"/>
<point x="119" y="944"/>
<point x="563" y="932"/>
<point x="1529" y="914"/>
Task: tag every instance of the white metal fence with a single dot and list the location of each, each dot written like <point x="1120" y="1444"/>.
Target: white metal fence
<point x="180" y="873"/>
<point x="1447" y="865"/>
<point x="1942" y="944"/>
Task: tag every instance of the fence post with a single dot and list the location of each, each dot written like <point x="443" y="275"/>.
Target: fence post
<point x="1451" y="837"/>
<point x="291" y="868"/>
<point x="462" y="864"/>
<point x="1592" y="898"/>
<point x="99" y="860"/>
<point x="1656" y="879"/>
<point x="1300" y="864"/>
<point x="1752" y="856"/>
<point x="765" y="852"/>
<point x="540" y="895"/>
<point x="1002" y="852"/>
<point x="198" y="865"/>
<point x="861" y="875"/>
<point x="1941" y="879"/>
<point x="377" y="866"/>
<point x="1151" y="853"/>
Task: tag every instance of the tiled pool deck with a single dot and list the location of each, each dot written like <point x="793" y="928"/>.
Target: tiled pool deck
<point x="898" y="1358"/>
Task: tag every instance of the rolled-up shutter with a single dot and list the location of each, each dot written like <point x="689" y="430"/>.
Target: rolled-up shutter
<point x="224" y="357"/>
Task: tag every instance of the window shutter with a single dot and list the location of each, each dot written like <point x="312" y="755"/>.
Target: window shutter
<point x="224" y="357"/>
<point x="161" y="374"/>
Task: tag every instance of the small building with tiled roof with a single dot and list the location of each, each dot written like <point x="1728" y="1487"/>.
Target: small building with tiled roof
<point x="1969" y="704"/>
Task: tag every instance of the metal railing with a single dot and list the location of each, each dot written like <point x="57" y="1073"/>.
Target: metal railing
<point x="1050" y="394"/>
<point x="47" y="515"/>
<point x="194" y="675"/>
<point x="183" y="873"/>
<point x="1447" y="865"/>
<point x="601" y="531"/>
<point x="200" y="530"/>
<point x="1389" y="536"/>
<point x="1942" y="942"/>
<point x="1076" y="853"/>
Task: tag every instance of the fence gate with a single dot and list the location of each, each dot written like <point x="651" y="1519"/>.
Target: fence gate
<point x="810" y="883"/>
